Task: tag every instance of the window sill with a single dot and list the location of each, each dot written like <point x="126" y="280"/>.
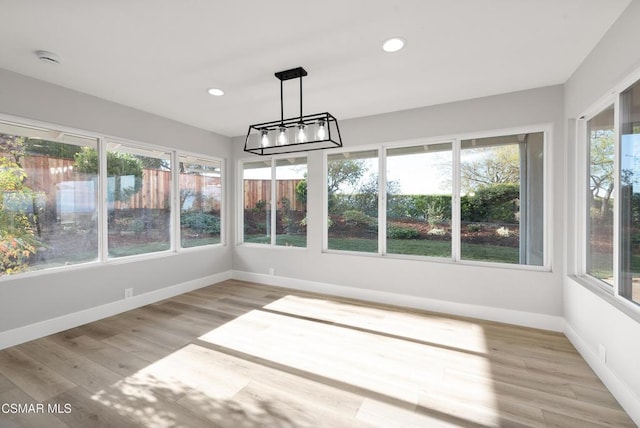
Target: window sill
<point x="620" y="303"/>
<point x="269" y="246"/>
<point x="449" y="261"/>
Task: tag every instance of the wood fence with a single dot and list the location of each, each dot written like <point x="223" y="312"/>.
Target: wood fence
<point x="47" y="177"/>
<point x="260" y="190"/>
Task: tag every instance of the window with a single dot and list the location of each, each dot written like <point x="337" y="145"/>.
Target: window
<point x="601" y="195"/>
<point x="291" y="197"/>
<point x="612" y="202"/>
<point x="138" y="200"/>
<point x="282" y="223"/>
<point x="56" y="210"/>
<point x="49" y="200"/>
<point x="473" y="200"/>
<point x="629" y="280"/>
<point x="352" y="201"/>
<point x="256" y="179"/>
<point x="200" y="201"/>
<point x="502" y="199"/>
<point x="419" y="189"/>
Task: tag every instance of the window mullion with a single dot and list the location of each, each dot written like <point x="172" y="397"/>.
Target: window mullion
<point x="582" y="201"/>
<point x="103" y="204"/>
<point x="618" y="197"/>
<point x="274" y="203"/>
<point x="175" y="236"/>
<point x="223" y="202"/>
<point x="455" y="201"/>
<point x="325" y="203"/>
<point x="382" y="202"/>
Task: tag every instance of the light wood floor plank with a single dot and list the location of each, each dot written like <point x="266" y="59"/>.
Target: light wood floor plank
<point x="34" y="378"/>
<point x="41" y="417"/>
<point x="239" y="354"/>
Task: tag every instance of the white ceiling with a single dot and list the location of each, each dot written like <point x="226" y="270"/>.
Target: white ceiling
<point x="161" y="56"/>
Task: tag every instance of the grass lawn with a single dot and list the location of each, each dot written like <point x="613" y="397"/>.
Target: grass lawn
<point x="423" y="247"/>
<point x="602" y="266"/>
<point x="283" y="240"/>
<point x="131" y="250"/>
<point x="197" y="242"/>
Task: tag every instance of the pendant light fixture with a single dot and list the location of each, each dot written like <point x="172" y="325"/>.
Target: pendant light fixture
<point x="298" y="134"/>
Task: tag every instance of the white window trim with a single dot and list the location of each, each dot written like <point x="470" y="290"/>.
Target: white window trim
<point x="223" y="201"/>
<point x="609" y="294"/>
<point x="273" y="206"/>
<point x="582" y="201"/>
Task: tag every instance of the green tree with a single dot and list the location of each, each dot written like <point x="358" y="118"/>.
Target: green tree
<point x="341" y="174"/>
<point x="495" y="165"/>
<point x="601" y="181"/>
<point x="301" y="191"/>
<point x="17" y="238"/>
<point x="118" y="165"/>
<point x="344" y="172"/>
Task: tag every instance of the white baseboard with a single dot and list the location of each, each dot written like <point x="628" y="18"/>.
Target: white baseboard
<point x="625" y="396"/>
<point x="526" y="319"/>
<point x="65" y="322"/>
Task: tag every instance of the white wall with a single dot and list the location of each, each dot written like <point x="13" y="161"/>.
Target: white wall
<point x="25" y="300"/>
<point x="593" y="320"/>
<point x="504" y="294"/>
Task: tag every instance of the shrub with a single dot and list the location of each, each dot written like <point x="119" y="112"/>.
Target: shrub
<point x="495" y="203"/>
<point x="260" y="206"/>
<point x="200" y="222"/>
<point x="503" y="232"/>
<point x="301" y="191"/>
<point x="15" y="250"/>
<point x="474" y="227"/>
<point x="436" y="231"/>
<point x="435" y="208"/>
<point x="358" y="218"/>
<point x="18" y="241"/>
<point x="136" y="225"/>
<point x="303" y="222"/>
<point x="402" y="232"/>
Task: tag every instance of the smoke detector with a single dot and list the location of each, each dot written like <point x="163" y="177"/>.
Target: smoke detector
<point x="49" y="57"/>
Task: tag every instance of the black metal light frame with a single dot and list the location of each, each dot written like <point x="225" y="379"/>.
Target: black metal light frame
<point x="313" y="123"/>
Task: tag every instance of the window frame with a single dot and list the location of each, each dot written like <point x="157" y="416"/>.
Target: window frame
<point x="273" y="204"/>
<point x="579" y="273"/>
<point x="223" y="202"/>
<point x="102" y="206"/>
<point x="583" y="168"/>
<point x="325" y="196"/>
<point x="173" y="234"/>
<point x="455" y="139"/>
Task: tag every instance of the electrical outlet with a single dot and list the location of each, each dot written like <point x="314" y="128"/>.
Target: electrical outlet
<point x="128" y="292"/>
<point x="602" y="353"/>
<point x="272" y="271"/>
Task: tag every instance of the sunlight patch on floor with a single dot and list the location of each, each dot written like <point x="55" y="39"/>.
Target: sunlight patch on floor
<point x="392" y="368"/>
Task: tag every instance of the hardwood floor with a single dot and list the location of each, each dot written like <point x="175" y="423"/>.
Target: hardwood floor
<point x="238" y="354"/>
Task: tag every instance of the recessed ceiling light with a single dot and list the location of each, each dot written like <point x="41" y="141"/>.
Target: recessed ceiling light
<point x="393" y="44"/>
<point x="216" y="92"/>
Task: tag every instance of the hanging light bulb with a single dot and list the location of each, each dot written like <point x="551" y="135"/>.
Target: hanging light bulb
<point x="264" y="138"/>
<point x="321" y="133"/>
<point x="301" y="136"/>
<point x="282" y="136"/>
